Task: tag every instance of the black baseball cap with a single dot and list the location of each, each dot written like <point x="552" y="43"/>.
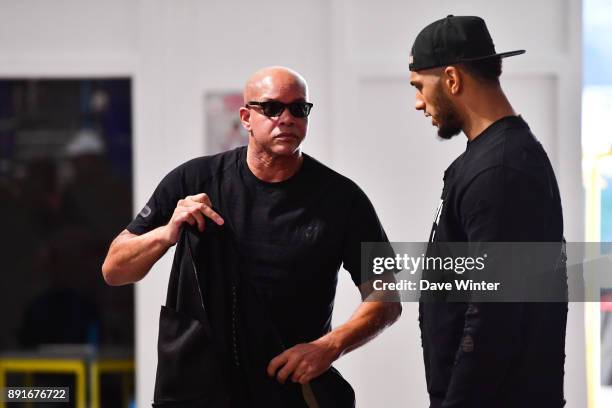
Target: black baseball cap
<point x="452" y="40"/>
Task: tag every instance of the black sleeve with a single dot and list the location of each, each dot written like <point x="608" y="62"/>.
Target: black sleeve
<point x="491" y="211"/>
<point x="161" y="205"/>
<point x="362" y="225"/>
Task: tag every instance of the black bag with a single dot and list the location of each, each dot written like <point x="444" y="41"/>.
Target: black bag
<point x="204" y="341"/>
<point x="189" y="373"/>
<point x="331" y="390"/>
<point x="191" y="368"/>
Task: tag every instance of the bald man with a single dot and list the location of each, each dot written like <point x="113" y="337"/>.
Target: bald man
<point x="296" y="222"/>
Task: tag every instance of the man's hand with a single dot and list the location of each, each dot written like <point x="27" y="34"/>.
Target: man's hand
<point x="303" y="362"/>
<point x="131" y="256"/>
<point x="192" y="210"/>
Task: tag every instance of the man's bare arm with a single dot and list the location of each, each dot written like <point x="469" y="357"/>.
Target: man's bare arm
<point x="306" y="361"/>
<point x="368" y="321"/>
<point x="131" y="256"/>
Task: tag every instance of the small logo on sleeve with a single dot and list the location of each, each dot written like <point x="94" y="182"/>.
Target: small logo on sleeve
<point x="145" y="212"/>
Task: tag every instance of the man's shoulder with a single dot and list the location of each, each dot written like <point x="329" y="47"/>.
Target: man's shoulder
<point x="518" y="150"/>
<point x="510" y="143"/>
<point x="523" y="149"/>
<point x="511" y="147"/>
<point x="203" y="168"/>
<point x="515" y="156"/>
<point x="329" y="176"/>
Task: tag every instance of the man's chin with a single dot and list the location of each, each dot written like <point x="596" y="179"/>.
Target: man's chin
<point x="286" y="148"/>
<point x="448" y="133"/>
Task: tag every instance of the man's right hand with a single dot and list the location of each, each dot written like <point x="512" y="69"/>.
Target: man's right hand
<point x="192" y="210"/>
<point x="131" y="256"/>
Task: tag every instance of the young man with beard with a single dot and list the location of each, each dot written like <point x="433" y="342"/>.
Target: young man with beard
<point x="294" y="222"/>
<point x="501" y="189"/>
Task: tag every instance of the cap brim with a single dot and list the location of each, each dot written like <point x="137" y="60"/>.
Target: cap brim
<point x="498" y="55"/>
<point x="415" y="67"/>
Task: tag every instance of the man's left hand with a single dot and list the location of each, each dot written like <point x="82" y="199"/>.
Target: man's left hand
<point x="305" y="361"/>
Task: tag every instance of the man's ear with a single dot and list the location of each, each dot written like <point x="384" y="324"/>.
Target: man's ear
<point x="453" y="79"/>
<point x="245" y="118"/>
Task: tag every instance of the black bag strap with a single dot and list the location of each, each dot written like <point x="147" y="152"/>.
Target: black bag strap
<point x="205" y="319"/>
<point x="226" y="235"/>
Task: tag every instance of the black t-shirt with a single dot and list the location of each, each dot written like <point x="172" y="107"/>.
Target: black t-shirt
<point x="293" y="235"/>
<point x="501" y="189"/>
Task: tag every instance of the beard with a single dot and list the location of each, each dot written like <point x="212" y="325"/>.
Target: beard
<point x="449" y="121"/>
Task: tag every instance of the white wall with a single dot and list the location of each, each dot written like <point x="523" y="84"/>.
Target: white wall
<point x="354" y="55"/>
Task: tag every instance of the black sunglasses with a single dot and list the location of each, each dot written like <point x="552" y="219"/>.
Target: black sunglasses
<point x="275" y="108"/>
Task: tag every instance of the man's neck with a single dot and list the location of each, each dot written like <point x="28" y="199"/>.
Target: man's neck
<point x="490" y="106"/>
<point x="273" y="168"/>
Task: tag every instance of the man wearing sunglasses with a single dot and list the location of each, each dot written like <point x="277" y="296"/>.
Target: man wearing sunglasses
<point x="502" y="189"/>
<point x="295" y="221"/>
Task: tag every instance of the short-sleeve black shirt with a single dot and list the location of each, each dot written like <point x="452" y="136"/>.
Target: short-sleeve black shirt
<point x="293" y="235"/>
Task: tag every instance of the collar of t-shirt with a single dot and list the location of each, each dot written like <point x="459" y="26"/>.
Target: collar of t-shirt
<point x="253" y="180"/>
